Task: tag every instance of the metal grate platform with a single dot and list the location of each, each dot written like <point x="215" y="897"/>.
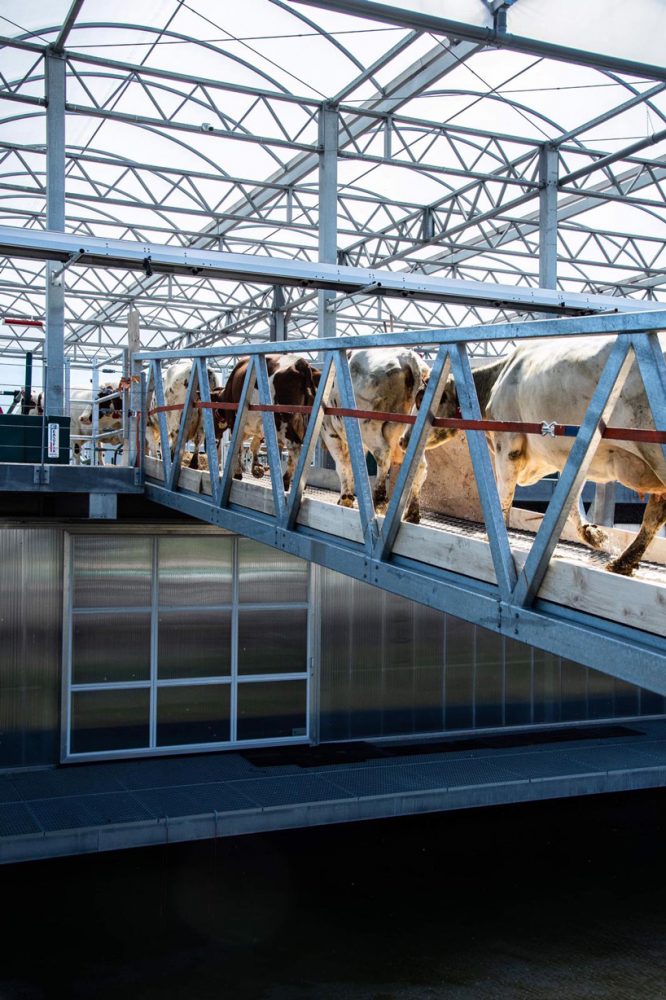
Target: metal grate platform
<point x="124" y="804"/>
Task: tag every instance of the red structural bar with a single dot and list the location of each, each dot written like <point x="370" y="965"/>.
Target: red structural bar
<point x="455" y="423"/>
<point x="22" y="322"/>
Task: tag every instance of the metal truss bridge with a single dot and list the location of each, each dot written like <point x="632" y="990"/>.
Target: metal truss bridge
<point x="533" y="588"/>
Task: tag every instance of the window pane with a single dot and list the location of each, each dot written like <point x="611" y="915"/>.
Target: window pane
<point x="197" y="714"/>
<point x="195" y="570"/>
<point x="111" y="571"/>
<point x="272" y="642"/>
<point x="268" y="576"/>
<point x="267" y="711"/>
<point x="109" y="720"/>
<point x="109" y="648"/>
<point x="194" y="644"/>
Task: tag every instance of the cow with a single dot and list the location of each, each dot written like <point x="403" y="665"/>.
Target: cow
<point x="293" y="382"/>
<point x="554" y="382"/>
<point x="35" y="406"/>
<point x="389" y="380"/>
<point x="176" y="382"/>
<point x="110" y="418"/>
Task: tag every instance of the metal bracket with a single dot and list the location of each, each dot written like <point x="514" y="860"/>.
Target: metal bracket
<point x="335" y="304"/>
<point x="41" y="475"/>
<point x="548" y="429"/>
<point x="56" y="276"/>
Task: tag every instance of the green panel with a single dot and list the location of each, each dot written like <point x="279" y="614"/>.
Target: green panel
<point x="21" y="439"/>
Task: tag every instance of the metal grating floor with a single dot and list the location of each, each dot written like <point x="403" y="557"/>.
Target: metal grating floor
<point x="122" y="804"/>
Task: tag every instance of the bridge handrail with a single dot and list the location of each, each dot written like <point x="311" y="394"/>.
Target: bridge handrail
<point x="597" y="324"/>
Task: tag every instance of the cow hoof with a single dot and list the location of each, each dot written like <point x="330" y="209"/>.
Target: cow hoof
<point x="413" y="516"/>
<point x="258" y="471"/>
<point x="380" y="506"/>
<point x="621" y="566"/>
<point x="238" y="475"/>
<point x="346" y="501"/>
<point x="286" y="482"/>
<point x="594" y="536"/>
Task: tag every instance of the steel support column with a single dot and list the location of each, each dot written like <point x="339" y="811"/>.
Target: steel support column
<point x="54" y="349"/>
<point x="328" y="209"/>
<point x="548" y="164"/>
<point x="278" y="327"/>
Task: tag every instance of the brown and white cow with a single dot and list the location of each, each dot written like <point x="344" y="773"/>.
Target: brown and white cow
<point x="293" y="382"/>
<point x="554" y="381"/>
<point x="110" y="418"/>
<point x="176" y="382"/>
<point x="387" y="379"/>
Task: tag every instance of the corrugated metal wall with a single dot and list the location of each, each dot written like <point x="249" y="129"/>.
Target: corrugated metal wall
<point x="389" y="667"/>
<point x="31" y="573"/>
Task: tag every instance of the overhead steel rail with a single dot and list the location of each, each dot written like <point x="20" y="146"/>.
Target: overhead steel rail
<point x="155" y="258"/>
<point x="596" y="618"/>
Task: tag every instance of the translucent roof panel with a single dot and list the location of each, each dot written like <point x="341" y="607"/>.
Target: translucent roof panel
<point x="199" y="124"/>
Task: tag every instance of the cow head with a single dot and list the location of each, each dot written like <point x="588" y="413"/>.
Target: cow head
<point x="447" y="407"/>
<point x="110" y="409"/>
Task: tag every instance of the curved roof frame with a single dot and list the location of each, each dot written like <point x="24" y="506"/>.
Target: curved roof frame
<point x="415" y="191"/>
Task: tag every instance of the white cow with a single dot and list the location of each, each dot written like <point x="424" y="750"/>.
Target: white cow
<point x="554" y="381"/>
<point x="176" y="382"/>
<point x="386" y="379"/>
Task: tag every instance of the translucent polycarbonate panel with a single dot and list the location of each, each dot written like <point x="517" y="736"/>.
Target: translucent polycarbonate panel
<point x="271" y="710"/>
<point x="609" y="27"/>
<point x="109" y="649"/>
<point x="30" y="644"/>
<point x="268" y="576"/>
<point x="574" y="691"/>
<point x="600" y="695"/>
<point x="626" y="698"/>
<point x="518" y="683"/>
<point x="199" y="713"/>
<point x="460" y="671"/>
<point x="382" y="663"/>
<point x="366" y="663"/>
<point x="547" y="687"/>
<point x="467" y="11"/>
<point x="652" y="703"/>
<point x="111" y="571"/>
<point x="195" y="644"/>
<point x="195" y="570"/>
<point x="110" y="720"/>
<point x="428" y="698"/>
<point x="272" y="642"/>
<point x="489" y="678"/>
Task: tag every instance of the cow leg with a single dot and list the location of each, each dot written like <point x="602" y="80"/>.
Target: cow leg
<point x="653" y="519"/>
<point x="413" y="511"/>
<point x="380" y="496"/>
<point x="293" y="451"/>
<point x="258" y="469"/>
<point x="590" y="534"/>
<point x="337" y="447"/>
<point x="509" y="460"/>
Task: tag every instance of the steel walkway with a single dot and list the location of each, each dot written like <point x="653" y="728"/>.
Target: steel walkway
<point x="125" y="804"/>
<point x="528" y="588"/>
